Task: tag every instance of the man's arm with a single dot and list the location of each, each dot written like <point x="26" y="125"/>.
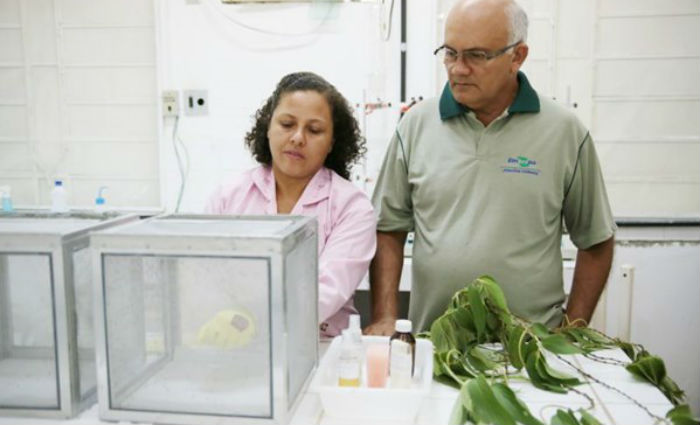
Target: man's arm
<point x="591" y="273"/>
<point x="384" y="277"/>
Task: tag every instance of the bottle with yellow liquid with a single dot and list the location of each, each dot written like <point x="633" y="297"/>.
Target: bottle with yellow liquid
<point x="349" y="362"/>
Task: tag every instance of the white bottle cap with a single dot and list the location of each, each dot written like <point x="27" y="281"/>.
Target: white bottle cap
<point x="354" y="321"/>
<point x="403" y="326"/>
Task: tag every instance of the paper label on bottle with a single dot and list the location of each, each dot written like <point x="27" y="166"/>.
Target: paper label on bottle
<point x="400" y="363"/>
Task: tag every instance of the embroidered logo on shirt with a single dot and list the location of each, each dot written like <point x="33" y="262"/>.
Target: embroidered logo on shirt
<point x="521" y="165"/>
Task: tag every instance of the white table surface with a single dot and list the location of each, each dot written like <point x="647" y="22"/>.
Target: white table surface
<point x="611" y="408"/>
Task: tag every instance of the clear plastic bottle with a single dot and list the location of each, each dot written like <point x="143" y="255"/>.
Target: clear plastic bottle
<point x="355" y="332"/>
<point x="348" y="362"/>
<point x="402" y="355"/>
<point x="59" y="198"/>
<point x="6" y="196"/>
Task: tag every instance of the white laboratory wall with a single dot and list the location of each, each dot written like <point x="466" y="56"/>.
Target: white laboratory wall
<point x="656" y="305"/>
<point x="239" y="52"/>
<point x="78" y="100"/>
<point x="80" y="83"/>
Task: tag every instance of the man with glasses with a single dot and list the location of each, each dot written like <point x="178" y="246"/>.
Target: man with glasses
<point x="487" y="175"/>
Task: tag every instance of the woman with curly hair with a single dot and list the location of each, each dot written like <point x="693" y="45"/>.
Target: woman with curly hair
<point x="305" y="138"/>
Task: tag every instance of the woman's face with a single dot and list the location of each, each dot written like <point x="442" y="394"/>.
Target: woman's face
<point x="300" y="134"/>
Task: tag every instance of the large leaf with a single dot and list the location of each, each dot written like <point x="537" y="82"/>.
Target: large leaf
<point x="681" y="415"/>
<point x="478" y="309"/>
<point x="564" y="417"/>
<point x="542" y="376"/>
<point x="516" y="408"/>
<point x="671" y="390"/>
<point x="556" y="376"/>
<point x="515" y="344"/>
<point x="481" y="359"/>
<point x="587" y="418"/>
<point x="442" y="334"/>
<point x="460" y="413"/>
<point x="539" y="330"/>
<point x="650" y="368"/>
<point x="560" y="345"/>
<point x="495" y="292"/>
<point x="485" y="405"/>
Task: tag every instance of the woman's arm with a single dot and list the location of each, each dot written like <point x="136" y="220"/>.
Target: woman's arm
<point x="346" y="256"/>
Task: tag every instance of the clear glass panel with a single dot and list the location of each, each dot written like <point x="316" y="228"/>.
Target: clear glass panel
<point x="188" y="334"/>
<point x="300" y="289"/>
<point x="82" y="285"/>
<point x="28" y="370"/>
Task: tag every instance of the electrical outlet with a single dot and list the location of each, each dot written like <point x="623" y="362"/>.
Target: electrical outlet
<point x="171" y="104"/>
<point x="196" y="102"/>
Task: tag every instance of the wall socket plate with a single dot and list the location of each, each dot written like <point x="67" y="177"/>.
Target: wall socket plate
<point x="171" y="103"/>
<point x="196" y="102"/>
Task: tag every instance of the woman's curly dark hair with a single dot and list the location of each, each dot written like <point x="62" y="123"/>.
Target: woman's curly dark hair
<point x="348" y="143"/>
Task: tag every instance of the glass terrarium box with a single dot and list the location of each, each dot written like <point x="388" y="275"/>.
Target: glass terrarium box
<point x="47" y="356"/>
<point x="206" y="319"/>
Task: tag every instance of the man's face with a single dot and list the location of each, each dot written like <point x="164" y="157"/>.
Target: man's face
<point x="478" y="84"/>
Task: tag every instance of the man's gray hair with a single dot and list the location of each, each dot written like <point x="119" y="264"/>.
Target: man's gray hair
<point x="518" y="23"/>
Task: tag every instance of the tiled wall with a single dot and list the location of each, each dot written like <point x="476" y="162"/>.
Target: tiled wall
<point x="78" y="100"/>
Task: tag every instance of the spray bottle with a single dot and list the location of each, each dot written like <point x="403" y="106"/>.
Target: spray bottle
<point x="100" y="201"/>
<point x="6" y="196"/>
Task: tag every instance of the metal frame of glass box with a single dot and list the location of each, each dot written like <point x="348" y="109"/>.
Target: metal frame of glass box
<point x="59" y="247"/>
<point x="299" y="235"/>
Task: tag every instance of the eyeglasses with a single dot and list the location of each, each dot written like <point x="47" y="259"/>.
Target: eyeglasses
<point x="473" y="56"/>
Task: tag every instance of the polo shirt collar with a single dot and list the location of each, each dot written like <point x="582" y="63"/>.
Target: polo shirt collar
<point x="526" y="100"/>
<point x="318" y="188"/>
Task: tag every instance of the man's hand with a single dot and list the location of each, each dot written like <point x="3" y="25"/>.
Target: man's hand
<point x="382" y="327"/>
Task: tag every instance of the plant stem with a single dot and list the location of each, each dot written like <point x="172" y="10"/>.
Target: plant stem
<point x="605" y="360"/>
<point x="610" y="387"/>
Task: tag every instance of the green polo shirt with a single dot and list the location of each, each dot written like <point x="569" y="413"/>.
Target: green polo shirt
<point x="490" y="200"/>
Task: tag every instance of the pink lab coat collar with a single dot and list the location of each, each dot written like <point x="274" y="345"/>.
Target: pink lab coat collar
<point x="318" y="188"/>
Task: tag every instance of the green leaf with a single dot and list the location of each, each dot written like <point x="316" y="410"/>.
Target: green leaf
<point x="539" y="378"/>
<point x="596" y="337"/>
<point x="671" y="390"/>
<point x="564" y="417"/>
<point x="633" y="351"/>
<point x="495" y="292"/>
<point x="476" y="304"/>
<point x="539" y="330"/>
<point x="557" y="377"/>
<point x="650" y="369"/>
<point x="486" y="406"/>
<point x="515" y="346"/>
<point x="516" y="408"/>
<point x="442" y="334"/>
<point x="459" y="415"/>
<point x="681" y="415"/>
<point x="480" y="359"/>
<point x="560" y="345"/>
<point x="465" y="399"/>
<point x="587" y="418"/>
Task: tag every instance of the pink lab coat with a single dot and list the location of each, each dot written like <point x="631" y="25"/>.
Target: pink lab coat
<point x="346" y="232"/>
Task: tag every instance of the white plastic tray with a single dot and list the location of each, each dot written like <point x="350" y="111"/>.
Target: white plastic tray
<point x="373" y="403"/>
